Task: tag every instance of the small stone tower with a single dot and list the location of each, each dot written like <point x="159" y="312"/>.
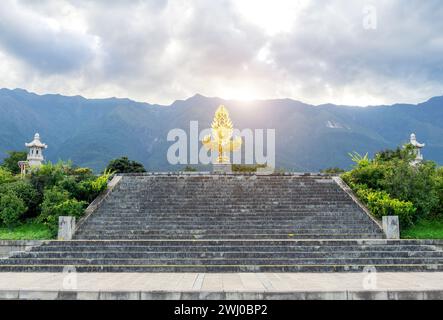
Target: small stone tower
<point x="35" y="155"/>
<point x="417" y="150"/>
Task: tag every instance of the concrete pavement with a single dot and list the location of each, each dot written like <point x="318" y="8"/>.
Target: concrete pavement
<point x="425" y="285"/>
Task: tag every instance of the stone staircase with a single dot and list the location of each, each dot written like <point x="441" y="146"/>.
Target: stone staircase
<point x="229" y="207"/>
<point x="229" y="223"/>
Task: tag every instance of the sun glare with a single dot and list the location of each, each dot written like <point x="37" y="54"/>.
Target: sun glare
<point x="240" y="93"/>
<point x="273" y="16"/>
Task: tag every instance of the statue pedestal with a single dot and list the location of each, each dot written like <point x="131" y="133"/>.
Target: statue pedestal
<point x="221" y="168"/>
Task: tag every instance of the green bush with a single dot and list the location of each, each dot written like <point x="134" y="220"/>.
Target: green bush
<point x="49" y="175"/>
<point x="57" y="203"/>
<point x="100" y="184"/>
<point x="10" y="163"/>
<point x="124" y="165"/>
<point x="70" y="207"/>
<point x="26" y="192"/>
<point x="6" y="176"/>
<point x="381" y="204"/>
<point x="51" y="198"/>
<point x="48" y="192"/>
<point x="415" y="184"/>
<point x="11" y="209"/>
<point x="392" y="175"/>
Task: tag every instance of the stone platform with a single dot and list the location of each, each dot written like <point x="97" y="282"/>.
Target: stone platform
<point x="206" y="286"/>
<point x="228" y="223"/>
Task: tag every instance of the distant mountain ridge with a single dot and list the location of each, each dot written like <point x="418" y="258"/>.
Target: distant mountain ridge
<point x="91" y="132"/>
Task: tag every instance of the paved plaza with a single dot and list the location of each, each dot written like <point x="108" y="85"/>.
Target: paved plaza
<point x="398" y="285"/>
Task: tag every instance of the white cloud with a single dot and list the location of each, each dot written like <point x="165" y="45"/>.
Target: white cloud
<point x="159" y="51"/>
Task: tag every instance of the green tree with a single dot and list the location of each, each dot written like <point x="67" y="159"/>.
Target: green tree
<point x="52" y="197"/>
<point x="24" y="190"/>
<point x="11" y="209"/>
<point x="389" y="184"/>
<point x="416" y="184"/>
<point x="57" y="203"/>
<point x="6" y="176"/>
<point x="11" y="163"/>
<point x="124" y="165"/>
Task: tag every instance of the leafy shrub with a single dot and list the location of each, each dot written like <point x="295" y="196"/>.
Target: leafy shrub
<point x="100" y="184"/>
<point x="51" y="198"/>
<point x="26" y="192"/>
<point x="6" y="176"/>
<point x="49" y="175"/>
<point x="392" y="175"/>
<point x="10" y="163"/>
<point x="366" y="172"/>
<point x="415" y="184"/>
<point x="381" y="204"/>
<point x="124" y="165"/>
<point x="70" y="207"/>
<point x="82" y="173"/>
<point x="57" y="203"/>
<point x="90" y="189"/>
<point x="11" y="209"/>
<point x="48" y="192"/>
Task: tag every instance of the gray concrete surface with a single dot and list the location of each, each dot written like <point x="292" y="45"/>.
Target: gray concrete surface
<point x="221" y="286"/>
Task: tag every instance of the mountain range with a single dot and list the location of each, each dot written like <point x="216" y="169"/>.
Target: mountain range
<point x="90" y="132"/>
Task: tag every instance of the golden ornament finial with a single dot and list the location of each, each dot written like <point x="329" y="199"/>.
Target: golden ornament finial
<point x="221" y="141"/>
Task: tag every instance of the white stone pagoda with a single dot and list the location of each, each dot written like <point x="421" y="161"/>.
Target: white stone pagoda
<point x="417" y="149"/>
<point x="35" y="155"/>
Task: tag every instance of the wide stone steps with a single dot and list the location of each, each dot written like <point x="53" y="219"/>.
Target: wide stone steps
<point x="224" y="254"/>
<point x="228" y="207"/>
<point x="185" y="232"/>
<point x="236" y="236"/>
<point x="224" y="261"/>
<point x="230" y="256"/>
<point x="211" y="229"/>
<point x="229" y="223"/>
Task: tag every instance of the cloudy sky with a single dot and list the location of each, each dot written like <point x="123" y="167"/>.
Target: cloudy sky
<point x="339" y="51"/>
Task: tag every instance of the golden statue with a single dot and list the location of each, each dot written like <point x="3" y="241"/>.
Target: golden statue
<point x="220" y="139"/>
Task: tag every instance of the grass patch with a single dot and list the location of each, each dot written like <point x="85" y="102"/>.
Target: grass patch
<point x="424" y="230"/>
<point x="27" y="231"/>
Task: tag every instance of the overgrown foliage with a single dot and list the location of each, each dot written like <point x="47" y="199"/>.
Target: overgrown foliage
<point x="6" y="176"/>
<point x="10" y="163"/>
<point x="11" y="209"/>
<point x="390" y="185"/>
<point x="46" y="193"/>
<point x="124" y="165"/>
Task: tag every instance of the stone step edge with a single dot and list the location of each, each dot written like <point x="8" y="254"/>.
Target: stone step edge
<point x="373" y="294"/>
<point x="318" y="241"/>
<point x="217" y="265"/>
